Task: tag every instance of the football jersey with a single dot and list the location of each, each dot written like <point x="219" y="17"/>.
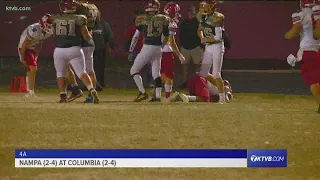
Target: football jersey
<point x="67" y="29"/>
<point x="90" y="11"/>
<point x="306" y="19"/>
<point x="34" y="33"/>
<point x="209" y="23"/>
<point x="173" y="28"/>
<point x="152" y="27"/>
<point x="213" y="90"/>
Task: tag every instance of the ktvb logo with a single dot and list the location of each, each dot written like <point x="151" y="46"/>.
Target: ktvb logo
<point x="255" y="158"/>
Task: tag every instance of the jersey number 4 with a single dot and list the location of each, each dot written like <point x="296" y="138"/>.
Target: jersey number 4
<point x="154" y="28"/>
<point x="66" y="28"/>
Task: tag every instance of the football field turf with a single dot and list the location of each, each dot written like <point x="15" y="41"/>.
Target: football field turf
<point x="250" y="121"/>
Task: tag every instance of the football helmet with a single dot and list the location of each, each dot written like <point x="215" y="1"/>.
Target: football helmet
<point x="46" y="24"/>
<point x="152" y="6"/>
<point x="172" y="10"/>
<point x="308" y="3"/>
<point x="67" y="6"/>
<point x="206" y="8"/>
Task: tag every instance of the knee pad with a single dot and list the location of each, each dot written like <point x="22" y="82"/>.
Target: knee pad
<point x="158" y="82"/>
<point x="133" y="71"/>
<point x="61" y="74"/>
<point x="216" y="75"/>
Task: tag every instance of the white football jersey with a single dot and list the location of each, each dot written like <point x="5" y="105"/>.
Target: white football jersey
<point x="173" y="28"/>
<point x="305" y="18"/>
<point x="34" y="33"/>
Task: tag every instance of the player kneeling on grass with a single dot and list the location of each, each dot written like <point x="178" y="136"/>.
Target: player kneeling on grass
<point x="29" y="47"/>
<point x="201" y="90"/>
<point x="170" y="48"/>
<point x="303" y="25"/>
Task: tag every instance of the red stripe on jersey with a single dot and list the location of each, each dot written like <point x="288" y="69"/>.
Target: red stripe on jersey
<point x="173" y="29"/>
<point x="295" y="19"/>
<point x="28" y="35"/>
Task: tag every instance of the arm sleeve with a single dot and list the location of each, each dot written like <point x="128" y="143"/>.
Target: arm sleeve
<point x="296" y="18"/>
<point x="134" y="40"/>
<point x="316" y="12"/>
<point x="108" y="35"/>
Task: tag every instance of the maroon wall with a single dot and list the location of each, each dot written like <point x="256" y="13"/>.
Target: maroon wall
<point x="256" y="28"/>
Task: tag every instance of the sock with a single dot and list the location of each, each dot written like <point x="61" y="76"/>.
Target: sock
<point x="74" y="85"/>
<point x="27" y="82"/>
<point x="222" y="97"/>
<point x="138" y="80"/>
<point x="31" y="91"/>
<point x="63" y="94"/>
<point x="89" y="87"/>
<point x="192" y="98"/>
<point x="168" y="89"/>
<point x="158" y="92"/>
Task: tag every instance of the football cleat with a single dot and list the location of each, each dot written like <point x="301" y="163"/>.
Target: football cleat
<point x="94" y="94"/>
<point x="76" y="93"/>
<point x="184" y="97"/>
<point x="154" y="99"/>
<point x="63" y="100"/>
<point x="141" y="97"/>
<point x="173" y="97"/>
<point x="31" y="95"/>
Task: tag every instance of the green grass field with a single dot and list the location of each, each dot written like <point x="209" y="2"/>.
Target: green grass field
<point x="250" y="121"/>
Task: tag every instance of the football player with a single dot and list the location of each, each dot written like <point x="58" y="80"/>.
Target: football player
<point x="152" y="25"/>
<point x="210" y="33"/>
<point x="90" y="11"/>
<point x="201" y="90"/>
<point x="29" y="47"/>
<point x="170" y="48"/>
<point x="69" y="30"/>
<point x="303" y="24"/>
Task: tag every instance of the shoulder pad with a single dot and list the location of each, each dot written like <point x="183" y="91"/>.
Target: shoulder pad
<point x="140" y="19"/>
<point x="166" y="19"/>
<point x="200" y="18"/>
<point x="32" y="31"/>
<point x="219" y="19"/>
<point x="296" y="17"/>
<point x="316" y="12"/>
<point x="81" y="20"/>
<point x="173" y="28"/>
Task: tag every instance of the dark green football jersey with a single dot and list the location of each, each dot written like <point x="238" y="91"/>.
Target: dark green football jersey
<point x="209" y="23"/>
<point x="67" y="29"/>
<point x="91" y="12"/>
<point x="152" y="27"/>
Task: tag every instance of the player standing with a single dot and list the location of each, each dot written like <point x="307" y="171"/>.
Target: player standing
<point x="303" y="24"/>
<point x="170" y="48"/>
<point x="152" y="25"/>
<point x="29" y="47"/>
<point x="91" y="12"/>
<point x="210" y="33"/>
<point x="69" y="30"/>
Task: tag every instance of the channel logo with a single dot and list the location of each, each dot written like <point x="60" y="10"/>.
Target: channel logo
<point x="267" y="158"/>
<point x="255" y="158"/>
